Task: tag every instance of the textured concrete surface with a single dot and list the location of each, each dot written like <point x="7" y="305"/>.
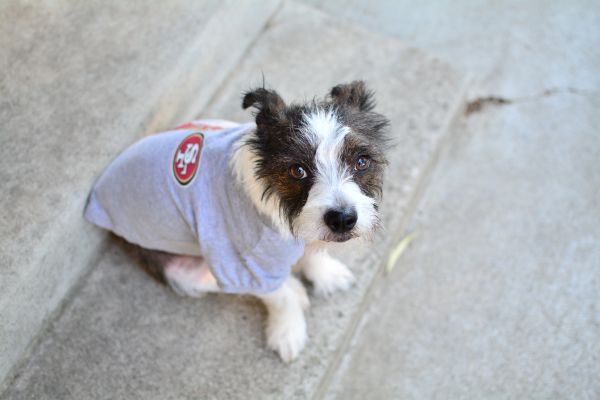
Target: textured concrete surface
<point x="78" y="83"/>
<point x="510" y="48"/>
<point x="499" y="296"/>
<point x="123" y="336"/>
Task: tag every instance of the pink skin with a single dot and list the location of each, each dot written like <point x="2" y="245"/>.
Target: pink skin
<point x="190" y="276"/>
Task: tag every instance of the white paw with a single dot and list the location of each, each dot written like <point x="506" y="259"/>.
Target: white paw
<point x="286" y="334"/>
<point x="330" y="277"/>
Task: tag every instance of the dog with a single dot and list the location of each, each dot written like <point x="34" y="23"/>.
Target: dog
<point x="215" y="206"/>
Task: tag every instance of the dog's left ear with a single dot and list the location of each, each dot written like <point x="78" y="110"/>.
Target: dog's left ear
<point x="269" y="105"/>
<point x="354" y="95"/>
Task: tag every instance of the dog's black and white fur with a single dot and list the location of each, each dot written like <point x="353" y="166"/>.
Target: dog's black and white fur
<point x="315" y="171"/>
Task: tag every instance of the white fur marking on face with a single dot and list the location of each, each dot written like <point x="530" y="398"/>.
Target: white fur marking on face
<point x="333" y="185"/>
<point x="322" y="124"/>
<point x="310" y="225"/>
<point x="327" y="134"/>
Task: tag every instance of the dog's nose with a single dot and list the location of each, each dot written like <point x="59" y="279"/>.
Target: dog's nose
<point x="342" y="220"/>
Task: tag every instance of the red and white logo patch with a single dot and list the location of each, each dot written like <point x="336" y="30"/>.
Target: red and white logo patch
<point x="187" y="158"/>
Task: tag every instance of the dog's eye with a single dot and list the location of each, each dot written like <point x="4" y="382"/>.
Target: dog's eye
<point x="297" y="171"/>
<point x="362" y="163"/>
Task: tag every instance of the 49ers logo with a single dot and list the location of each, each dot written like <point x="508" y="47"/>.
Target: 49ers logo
<point x="187" y="158"/>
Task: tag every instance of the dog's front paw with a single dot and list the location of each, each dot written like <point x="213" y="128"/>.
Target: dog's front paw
<point x="331" y="277"/>
<point x="286" y="334"/>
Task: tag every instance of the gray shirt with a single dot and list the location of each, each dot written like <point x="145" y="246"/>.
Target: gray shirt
<point x="175" y="192"/>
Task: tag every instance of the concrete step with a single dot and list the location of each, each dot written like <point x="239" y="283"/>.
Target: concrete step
<point x="78" y="83"/>
<point x="124" y="336"/>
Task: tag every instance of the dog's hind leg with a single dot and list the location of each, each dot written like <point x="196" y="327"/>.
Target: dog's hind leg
<point x="187" y="275"/>
<point x="190" y="276"/>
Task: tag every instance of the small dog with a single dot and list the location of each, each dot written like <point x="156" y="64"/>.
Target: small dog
<point x="216" y="206"/>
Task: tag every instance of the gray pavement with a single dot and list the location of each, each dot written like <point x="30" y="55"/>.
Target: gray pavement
<point x="78" y="82"/>
<point x="123" y="336"/>
<point x="499" y="295"/>
<point x="510" y="48"/>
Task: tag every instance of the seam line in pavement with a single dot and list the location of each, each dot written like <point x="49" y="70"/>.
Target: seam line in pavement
<point x="13" y="372"/>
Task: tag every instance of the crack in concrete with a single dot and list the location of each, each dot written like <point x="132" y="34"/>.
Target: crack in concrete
<point x="480" y="103"/>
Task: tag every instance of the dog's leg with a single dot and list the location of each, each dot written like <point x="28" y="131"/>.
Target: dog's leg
<point x="187" y="275"/>
<point x="286" y="325"/>
<point x="326" y="273"/>
<point x="190" y="276"/>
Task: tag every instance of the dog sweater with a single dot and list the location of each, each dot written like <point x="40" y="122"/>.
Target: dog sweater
<point x="175" y="191"/>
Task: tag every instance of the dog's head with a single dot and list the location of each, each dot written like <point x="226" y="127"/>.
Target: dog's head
<point x="317" y="167"/>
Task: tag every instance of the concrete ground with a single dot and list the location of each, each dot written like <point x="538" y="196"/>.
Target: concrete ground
<point x="499" y="295"/>
<point x="121" y="335"/>
<point x="78" y="83"/>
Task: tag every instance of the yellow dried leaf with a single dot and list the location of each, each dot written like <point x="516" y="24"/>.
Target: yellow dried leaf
<point x="398" y="250"/>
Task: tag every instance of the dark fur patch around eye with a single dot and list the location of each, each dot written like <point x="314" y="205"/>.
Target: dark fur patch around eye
<point x="368" y="137"/>
<point x="279" y="142"/>
<point x="369" y="181"/>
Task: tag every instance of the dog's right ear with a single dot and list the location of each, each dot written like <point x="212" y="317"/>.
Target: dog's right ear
<point x="355" y="95"/>
<point x="269" y="105"/>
